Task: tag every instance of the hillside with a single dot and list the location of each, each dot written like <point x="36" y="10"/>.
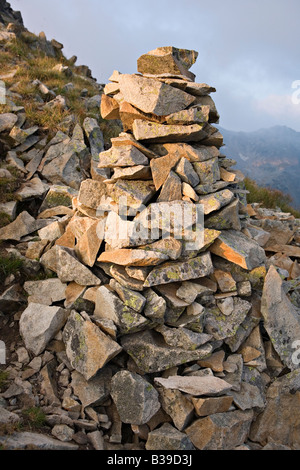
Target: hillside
<point x="269" y="156"/>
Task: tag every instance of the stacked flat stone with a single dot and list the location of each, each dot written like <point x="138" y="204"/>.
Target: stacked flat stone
<point x="172" y="305"/>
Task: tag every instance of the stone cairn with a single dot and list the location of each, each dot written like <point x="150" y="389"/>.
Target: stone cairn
<point x="164" y="333"/>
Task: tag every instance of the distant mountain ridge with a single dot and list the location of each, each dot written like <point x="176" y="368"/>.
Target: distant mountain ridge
<point x="269" y="156"/>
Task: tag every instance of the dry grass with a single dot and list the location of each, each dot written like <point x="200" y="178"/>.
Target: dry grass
<point x="269" y="198"/>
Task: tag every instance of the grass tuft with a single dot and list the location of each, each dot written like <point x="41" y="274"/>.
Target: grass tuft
<point x="269" y="198"/>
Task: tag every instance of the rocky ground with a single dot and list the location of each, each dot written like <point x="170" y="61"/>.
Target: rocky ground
<point x="124" y="341"/>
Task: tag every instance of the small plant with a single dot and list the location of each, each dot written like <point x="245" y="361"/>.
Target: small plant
<point x="33" y="417"/>
<point x="9" y="265"/>
<point x="3" y="380"/>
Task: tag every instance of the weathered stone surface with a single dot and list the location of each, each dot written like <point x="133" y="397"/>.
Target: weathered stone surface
<point x="152" y="96"/>
<point x="87" y="347"/>
<point x="194" y="385"/>
<point x="133" y="257"/>
<point x="221" y="431"/>
<point x="183" y="338"/>
<point x="161" y="167"/>
<point x="239" y="249"/>
<point x="138" y="172"/>
<point x="12" y="298"/>
<point x="110" y="306"/>
<point x="122" y="156"/>
<point x="7" y="417"/>
<point x="45" y="292"/>
<point x="226" y="218"/>
<point x="214" y="202"/>
<point x="58" y="195"/>
<point x="281" y="318"/>
<point x="193" y="153"/>
<point x="91" y="192"/>
<point x="214" y="362"/>
<point x="155" y="307"/>
<point x="23" y="225"/>
<point x="168" y="60"/>
<point x="135" y="193"/>
<point x="171" y="189"/>
<point x="94" y="391"/>
<point x="186" y="172"/>
<point x="168" y="438"/>
<point x="109" y="107"/>
<point x="208" y="171"/>
<point x="224" y="326"/>
<point x="152" y="132"/>
<point x="210" y="406"/>
<point x="89" y="244"/>
<point x="62" y="261"/>
<point x="33" y="440"/>
<point x="152" y="354"/>
<point x="177" y="406"/>
<point x="39" y="324"/>
<point x="169" y="247"/>
<point x="63" y="432"/>
<point x="280" y="418"/>
<point x="180" y="271"/>
<point x="131" y="298"/>
<point x="135" y="398"/>
<point x="94" y="136"/>
<point x="225" y="281"/>
<point x="7" y="121"/>
<point x="34" y="188"/>
<point x="194" y="115"/>
<point x="248" y="397"/>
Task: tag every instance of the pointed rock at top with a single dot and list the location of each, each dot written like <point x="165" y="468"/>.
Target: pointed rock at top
<point x="168" y="60"/>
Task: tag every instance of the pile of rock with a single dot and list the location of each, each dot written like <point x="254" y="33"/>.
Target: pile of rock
<point x="152" y="336"/>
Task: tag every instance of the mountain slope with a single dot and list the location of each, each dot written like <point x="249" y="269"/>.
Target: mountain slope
<point x="269" y="156"/>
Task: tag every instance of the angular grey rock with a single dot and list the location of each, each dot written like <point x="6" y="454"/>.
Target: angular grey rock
<point x="122" y="156"/>
<point x="34" y="188"/>
<point x="63" y="432"/>
<point x="7" y="121"/>
<point x="221" y="431"/>
<point x="152" y="96"/>
<point x="87" y="347"/>
<point x="131" y="298"/>
<point x="91" y="192"/>
<point x="168" y="60"/>
<point x="224" y="326"/>
<point x="186" y="172"/>
<point x="7" y="416"/>
<point x="62" y="261"/>
<point x="45" y="292"/>
<point x="177" y="406"/>
<point x="281" y="416"/>
<point x="152" y="354"/>
<point x="135" y="398"/>
<point x="281" y="319"/>
<point x="239" y="249"/>
<point x="94" y="391"/>
<point x="153" y="132"/>
<point x="39" y="324"/>
<point x="171" y="189"/>
<point x="183" y="338"/>
<point x="12" y="298"/>
<point x="110" y="306"/>
<point x="180" y="271"/>
<point x="168" y="438"/>
<point x="33" y="440"/>
<point x="155" y="307"/>
<point x="194" y="385"/>
<point x="216" y="201"/>
<point x="23" y="225"/>
<point x="94" y="136"/>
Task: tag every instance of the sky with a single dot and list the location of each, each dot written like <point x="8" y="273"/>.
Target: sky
<point x="249" y="50"/>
